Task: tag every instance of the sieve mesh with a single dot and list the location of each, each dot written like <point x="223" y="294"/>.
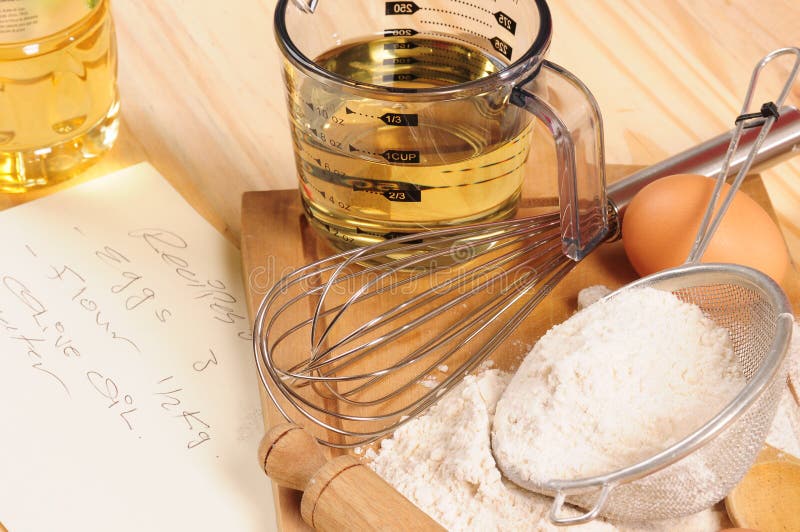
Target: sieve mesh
<point x="750" y="313"/>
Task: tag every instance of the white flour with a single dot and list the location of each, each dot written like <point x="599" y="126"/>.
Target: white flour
<point x="443" y="463"/>
<point x="591" y="294"/>
<point x="617" y="382"/>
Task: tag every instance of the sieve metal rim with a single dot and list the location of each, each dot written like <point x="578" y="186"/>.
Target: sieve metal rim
<point x="669" y="280"/>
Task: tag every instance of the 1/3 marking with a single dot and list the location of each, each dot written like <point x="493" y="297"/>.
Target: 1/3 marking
<point x="399" y="119"/>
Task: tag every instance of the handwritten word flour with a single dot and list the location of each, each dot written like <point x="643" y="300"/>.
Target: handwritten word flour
<point x="127" y="392"/>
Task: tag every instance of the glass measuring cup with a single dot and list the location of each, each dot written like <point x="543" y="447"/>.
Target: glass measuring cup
<point x="409" y="116"/>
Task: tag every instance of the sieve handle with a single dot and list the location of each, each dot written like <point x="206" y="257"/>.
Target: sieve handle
<point x="558" y="507"/>
<point x="706" y="159"/>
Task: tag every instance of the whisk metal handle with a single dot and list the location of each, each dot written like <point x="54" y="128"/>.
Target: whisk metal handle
<point x="707" y="158"/>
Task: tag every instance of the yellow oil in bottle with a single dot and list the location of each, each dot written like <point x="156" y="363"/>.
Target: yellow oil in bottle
<point x="58" y="95"/>
<point x="371" y="169"/>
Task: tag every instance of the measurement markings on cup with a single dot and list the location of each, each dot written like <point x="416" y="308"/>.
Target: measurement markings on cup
<point x="390" y="119"/>
<point x="409" y="8"/>
<point x="401" y="8"/>
<point x="393" y="156"/>
<point x="325" y="139"/>
<point x="399" y="32"/>
<point x="390" y="78"/>
<point x="501" y="46"/>
<point x="400" y="191"/>
<point x="399" y="46"/>
<point x="506" y="22"/>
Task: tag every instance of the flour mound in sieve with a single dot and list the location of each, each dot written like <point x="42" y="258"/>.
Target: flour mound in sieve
<point x="615" y="384"/>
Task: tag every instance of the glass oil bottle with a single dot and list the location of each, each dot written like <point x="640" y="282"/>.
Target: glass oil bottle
<point x="58" y="92"/>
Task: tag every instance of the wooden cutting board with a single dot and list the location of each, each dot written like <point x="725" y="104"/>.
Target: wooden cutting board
<point x="276" y="239"/>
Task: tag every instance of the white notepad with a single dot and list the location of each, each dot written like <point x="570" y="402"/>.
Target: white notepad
<point x="128" y="391"/>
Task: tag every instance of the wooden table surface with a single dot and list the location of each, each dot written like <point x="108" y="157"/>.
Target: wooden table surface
<point x="202" y="95"/>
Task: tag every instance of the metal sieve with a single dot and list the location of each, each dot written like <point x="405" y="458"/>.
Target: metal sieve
<point x="698" y="471"/>
<point x="701" y="469"/>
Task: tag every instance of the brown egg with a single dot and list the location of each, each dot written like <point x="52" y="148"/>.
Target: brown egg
<point x="660" y="224"/>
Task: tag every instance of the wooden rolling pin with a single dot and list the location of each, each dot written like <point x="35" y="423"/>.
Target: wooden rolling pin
<point x="340" y="494"/>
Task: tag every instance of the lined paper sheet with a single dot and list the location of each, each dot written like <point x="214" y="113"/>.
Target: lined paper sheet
<point x="128" y="392"/>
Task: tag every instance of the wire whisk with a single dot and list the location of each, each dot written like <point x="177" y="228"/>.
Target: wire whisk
<point x="361" y="342"/>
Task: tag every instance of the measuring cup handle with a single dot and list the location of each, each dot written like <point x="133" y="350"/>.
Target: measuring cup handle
<point x="571" y="113"/>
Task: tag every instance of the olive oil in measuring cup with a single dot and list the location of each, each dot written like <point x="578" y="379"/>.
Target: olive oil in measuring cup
<point x="374" y="168"/>
<point x="58" y="93"/>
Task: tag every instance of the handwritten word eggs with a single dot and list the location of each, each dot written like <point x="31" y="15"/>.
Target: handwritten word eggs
<point x="661" y="222"/>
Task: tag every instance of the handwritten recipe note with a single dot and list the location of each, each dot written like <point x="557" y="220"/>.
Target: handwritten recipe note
<point x="128" y="396"/>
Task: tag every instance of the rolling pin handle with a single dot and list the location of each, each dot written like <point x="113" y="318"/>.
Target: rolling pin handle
<point x="340" y="494"/>
<point x="290" y="456"/>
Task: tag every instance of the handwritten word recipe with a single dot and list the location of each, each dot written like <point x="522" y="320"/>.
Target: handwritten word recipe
<point x="128" y="396"/>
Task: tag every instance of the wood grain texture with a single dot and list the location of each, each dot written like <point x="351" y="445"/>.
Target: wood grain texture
<point x="771" y="454"/>
<point x="348" y="495"/>
<point x="290" y="455"/>
<point x="202" y="100"/>
<point x="767" y="498"/>
<point x="763" y="499"/>
<point x="202" y="95"/>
